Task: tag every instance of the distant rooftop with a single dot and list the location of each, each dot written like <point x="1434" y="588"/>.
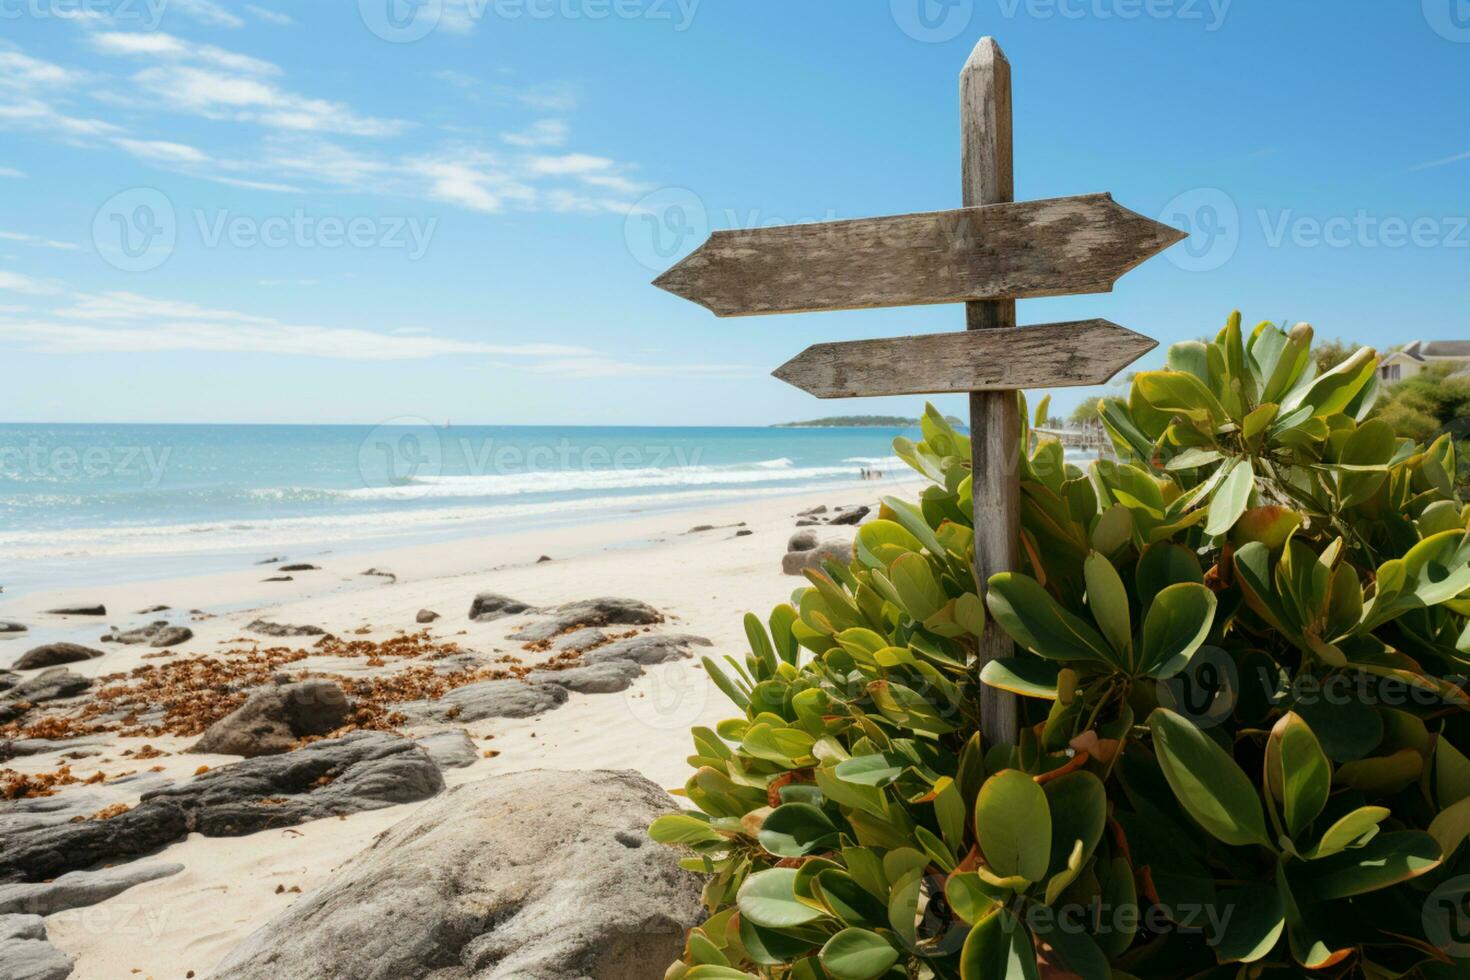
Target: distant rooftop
<point x="1420" y="349"/>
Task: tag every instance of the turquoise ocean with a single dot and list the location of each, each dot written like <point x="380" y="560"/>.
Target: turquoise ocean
<point x="86" y="503"/>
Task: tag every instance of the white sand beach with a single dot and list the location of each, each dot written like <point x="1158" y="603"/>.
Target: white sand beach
<point x="702" y="581"/>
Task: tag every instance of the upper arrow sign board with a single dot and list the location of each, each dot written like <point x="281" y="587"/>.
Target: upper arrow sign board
<point x="1058" y="247"/>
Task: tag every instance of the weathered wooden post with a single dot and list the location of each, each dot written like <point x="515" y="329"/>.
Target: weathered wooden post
<point x="986" y="255"/>
<point x="995" y="429"/>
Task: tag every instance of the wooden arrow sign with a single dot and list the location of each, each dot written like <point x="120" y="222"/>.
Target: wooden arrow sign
<point x="1054" y="355"/>
<point x="1057" y="247"/>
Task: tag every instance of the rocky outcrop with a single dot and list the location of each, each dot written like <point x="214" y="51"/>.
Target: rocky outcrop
<point x="299" y="568"/>
<point x="528" y="876"/>
<point x="55" y="656"/>
<point x="51" y="684"/>
<point x="488" y="699"/>
<point x="426" y="616"/>
<point x="26" y="955"/>
<point x="156" y="634"/>
<point x="646" y="649"/>
<point x="83" y="609"/>
<point x="8" y="679"/>
<point x="451" y="748"/>
<point x="590" y="612"/>
<point x="266" y="628"/>
<point x="609" y="677"/>
<point x="802" y="541"/>
<point x="274" y="719"/>
<point x="797" y="562"/>
<point x="490" y="606"/>
<point x="8" y="627"/>
<point x="360" y="771"/>
<point x="852" y="516"/>
<point x="79" y="889"/>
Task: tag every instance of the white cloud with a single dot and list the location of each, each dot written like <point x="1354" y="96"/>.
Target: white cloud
<point x="167" y="47"/>
<point x="38" y="242"/>
<point x="161" y="151"/>
<point x="598" y="366"/>
<point x="12" y="172"/>
<point x="217" y="95"/>
<point x="26" y="285"/>
<point x="1442" y="162"/>
<point x="206" y="12"/>
<point x="547" y="132"/>
<point x="36" y="114"/>
<point x="123" y="322"/>
<point x="269" y="16"/>
<point x="24" y="72"/>
<point x="571" y="163"/>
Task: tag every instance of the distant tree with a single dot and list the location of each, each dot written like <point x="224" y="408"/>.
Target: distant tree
<point x="1429" y="404"/>
<point x="1330" y="353"/>
<point x="1084" y="413"/>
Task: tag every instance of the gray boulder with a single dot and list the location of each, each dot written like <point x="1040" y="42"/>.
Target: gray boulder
<point x="156" y="634"/>
<point x="299" y="568"/>
<point x="608" y="677"/>
<point x="51" y="684"/>
<point x="590" y="612"/>
<point x="79" y="610"/>
<point x="490" y="606"/>
<point x="6" y="626"/>
<point x="26" y="955"/>
<point x="426" y="616"/>
<point x="451" y="748"/>
<point x="54" y="655"/>
<point x="853" y="516"/>
<point x="79" y="889"/>
<point x="8" y="679"/>
<point x="646" y="649"/>
<point x="802" y="541"/>
<point x="528" y="876"/>
<point x="489" y="699"/>
<point x="360" y="771"/>
<point x="266" y="628"/>
<point x="797" y="562"/>
<point x="274" y="719"/>
<point x="579" y="640"/>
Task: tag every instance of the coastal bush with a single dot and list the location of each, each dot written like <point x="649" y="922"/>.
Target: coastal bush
<point x="1239" y="650"/>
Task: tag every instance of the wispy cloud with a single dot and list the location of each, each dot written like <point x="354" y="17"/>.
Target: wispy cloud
<point x="26" y="285"/>
<point x="546" y="132"/>
<point x="36" y="241"/>
<point x="121" y="322"/>
<point x="167" y="47"/>
<point x="607" y="367"/>
<point x="1446" y="161"/>
<point x="12" y="172"/>
<point x="162" y="151"/>
<point x="206" y="12"/>
<point x="269" y="16"/>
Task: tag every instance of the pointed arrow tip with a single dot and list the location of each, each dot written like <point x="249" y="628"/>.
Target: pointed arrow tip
<point x="986" y="55"/>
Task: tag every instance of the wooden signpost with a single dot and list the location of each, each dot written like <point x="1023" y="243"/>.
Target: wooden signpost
<point x="986" y="255"/>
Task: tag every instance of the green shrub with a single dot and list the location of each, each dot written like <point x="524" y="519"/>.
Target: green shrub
<point x="1237" y="653"/>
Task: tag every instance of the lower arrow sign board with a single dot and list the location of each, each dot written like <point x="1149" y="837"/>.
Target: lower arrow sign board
<point x="1054" y="355"/>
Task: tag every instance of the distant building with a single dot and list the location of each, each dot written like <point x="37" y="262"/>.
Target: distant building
<point x="1421" y="354"/>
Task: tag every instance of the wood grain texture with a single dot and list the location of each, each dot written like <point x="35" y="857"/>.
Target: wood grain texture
<point x="995" y="426"/>
<point x="1053" y="355"/>
<point x="1055" y="247"/>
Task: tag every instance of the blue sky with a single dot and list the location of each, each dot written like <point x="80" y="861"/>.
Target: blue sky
<point x="306" y="212"/>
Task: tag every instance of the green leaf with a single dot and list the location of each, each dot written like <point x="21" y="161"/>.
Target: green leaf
<point x="684" y="828"/>
<point x="880" y="543"/>
<point x="1207" y="782"/>
<point x="1013" y="826"/>
<point x="1032" y="618"/>
<point x="1177" y="624"/>
<point x="1029" y="677"/>
<point x="1231" y="497"/>
<point x="771" y="948"/>
<point x="914" y="580"/>
<point x="1178" y="393"/>
<point x="795" y="830"/>
<point x="1371" y="444"/>
<point x="1349" y="829"/>
<point x="767" y="899"/>
<point x="1451" y="826"/>
<point x="857" y="954"/>
<point x="998" y="948"/>
<point x="1384" y="861"/>
<point x="970" y="897"/>
<point x="1078" y="805"/>
<point x="1257" y="919"/>
<point x="1107" y="600"/>
<point x="871" y="770"/>
<point x="1297" y="772"/>
<point x="1451" y="773"/>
